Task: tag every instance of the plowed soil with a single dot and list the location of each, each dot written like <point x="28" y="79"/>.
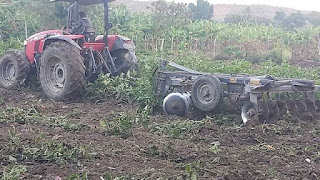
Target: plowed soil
<point x="218" y="148"/>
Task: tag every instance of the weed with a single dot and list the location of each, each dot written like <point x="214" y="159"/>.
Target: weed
<point x="33" y="116"/>
<point x="43" y="149"/>
<point x="176" y="129"/>
<point x="215" y="148"/>
<point x="119" y="126"/>
<point x="13" y="172"/>
<point x="1" y="101"/>
<point x="191" y="173"/>
<point x="75" y="114"/>
<point x="75" y="176"/>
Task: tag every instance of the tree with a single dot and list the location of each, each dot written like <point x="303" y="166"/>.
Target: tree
<point x="280" y="16"/>
<point x="294" y="20"/>
<point x="203" y="10"/>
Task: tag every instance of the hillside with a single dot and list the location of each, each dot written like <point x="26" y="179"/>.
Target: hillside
<point x="220" y="10"/>
<point x="265" y="11"/>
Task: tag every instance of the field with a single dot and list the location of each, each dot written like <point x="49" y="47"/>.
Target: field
<point x="117" y="130"/>
<point x="89" y="139"/>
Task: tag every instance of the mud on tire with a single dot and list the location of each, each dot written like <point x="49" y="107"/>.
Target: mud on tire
<point x="62" y="71"/>
<point x="207" y="93"/>
<point x="14" y="69"/>
<point x="128" y="57"/>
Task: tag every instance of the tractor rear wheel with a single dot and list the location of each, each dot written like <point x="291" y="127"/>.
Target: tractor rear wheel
<point x="14" y="69"/>
<point x="127" y="58"/>
<point x="62" y="71"/>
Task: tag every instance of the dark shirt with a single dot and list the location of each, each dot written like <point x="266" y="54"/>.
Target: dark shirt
<point x="81" y="26"/>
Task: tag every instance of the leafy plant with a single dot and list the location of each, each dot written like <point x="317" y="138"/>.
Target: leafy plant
<point x="121" y="125"/>
<point x="176" y="129"/>
<point x="75" y="176"/>
<point x="13" y="172"/>
<point x="33" y="116"/>
<point x="44" y="149"/>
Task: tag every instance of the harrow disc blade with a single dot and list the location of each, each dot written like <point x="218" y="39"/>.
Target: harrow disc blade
<point x="249" y="113"/>
<point x="317" y="103"/>
<point x="292" y="110"/>
<point x="263" y="112"/>
<point x="303" y="111"/>
<point x="274" y="113"/>
<point x="310" y="105"/>
<point x="283" y="109"/>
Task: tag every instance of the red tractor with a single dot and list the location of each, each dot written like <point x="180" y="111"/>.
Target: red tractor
<point x="64" y="60"/>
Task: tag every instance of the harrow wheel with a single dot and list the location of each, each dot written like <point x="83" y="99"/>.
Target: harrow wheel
<point x="207" y="93"/>
<point x="14" y="69"/>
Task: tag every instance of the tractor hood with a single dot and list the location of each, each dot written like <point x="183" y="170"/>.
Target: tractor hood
<point x="84" y="2"/>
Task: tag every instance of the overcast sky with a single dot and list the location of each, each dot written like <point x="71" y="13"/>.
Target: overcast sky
<point x="309" y="5"/>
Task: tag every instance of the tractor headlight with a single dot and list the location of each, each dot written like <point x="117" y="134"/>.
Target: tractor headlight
<point x="25" y="42"/>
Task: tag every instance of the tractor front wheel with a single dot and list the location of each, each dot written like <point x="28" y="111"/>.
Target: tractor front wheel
<point x="62" y="71"/>
<point x="14" y="69"/>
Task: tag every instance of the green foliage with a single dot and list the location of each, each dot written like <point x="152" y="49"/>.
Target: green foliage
<point x="33" y="116"/>
<point x="44" y="149"/>
<point x="191" y="173"/>
<point x="215" y="148"/>
<point x="13" y="172"/>
<point x="119" y="126"/>
<point x="130" y="89"/>
<point x="176" y="129"/>
<point x="202" y="10"/>
<point x="11" y="43"/>
<point x="75" y="176"/>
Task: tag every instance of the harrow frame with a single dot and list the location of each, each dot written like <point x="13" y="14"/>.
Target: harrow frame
<point x="237" y="88"/>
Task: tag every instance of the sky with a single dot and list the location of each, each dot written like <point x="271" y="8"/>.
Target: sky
<point x="309" y="5"/>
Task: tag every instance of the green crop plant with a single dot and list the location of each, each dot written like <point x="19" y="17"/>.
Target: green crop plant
<point x="176" y="129"/>
<point x="45" y="149"/>
<point x="13" y="172"/>
<point x="33" y="116"/>
<point x="120" y="126"/>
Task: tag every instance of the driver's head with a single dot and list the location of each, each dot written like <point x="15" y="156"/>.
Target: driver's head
<point x="82" y="15"/>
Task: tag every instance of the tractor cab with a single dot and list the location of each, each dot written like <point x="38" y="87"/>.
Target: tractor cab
<point x="78" y="24"/>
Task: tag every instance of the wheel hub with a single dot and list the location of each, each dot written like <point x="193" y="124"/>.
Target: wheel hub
<point x="205" y="93"/>
<point x="58" y="74"/>
<point x="55" y="74"/>
<point x="8" y="71"/>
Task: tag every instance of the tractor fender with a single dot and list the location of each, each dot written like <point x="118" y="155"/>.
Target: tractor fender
<point x="52" y="39"/>
<point x="123" y="43"/>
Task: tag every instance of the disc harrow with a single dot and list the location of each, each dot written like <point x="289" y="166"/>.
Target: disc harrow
<point x="263" y="99"/>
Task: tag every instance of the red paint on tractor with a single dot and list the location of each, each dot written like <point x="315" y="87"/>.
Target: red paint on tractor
<point x="35" y="43"/>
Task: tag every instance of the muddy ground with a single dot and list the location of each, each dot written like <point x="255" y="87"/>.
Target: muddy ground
<point x="217" y="147"/>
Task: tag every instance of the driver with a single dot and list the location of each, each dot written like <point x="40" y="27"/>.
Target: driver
<point x="82" y="25"/>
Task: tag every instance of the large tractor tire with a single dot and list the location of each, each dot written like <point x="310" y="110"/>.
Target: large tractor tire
<point x="127" y="59"/>
<point x="14" y="69"/>
<point x="62" y="71"/>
